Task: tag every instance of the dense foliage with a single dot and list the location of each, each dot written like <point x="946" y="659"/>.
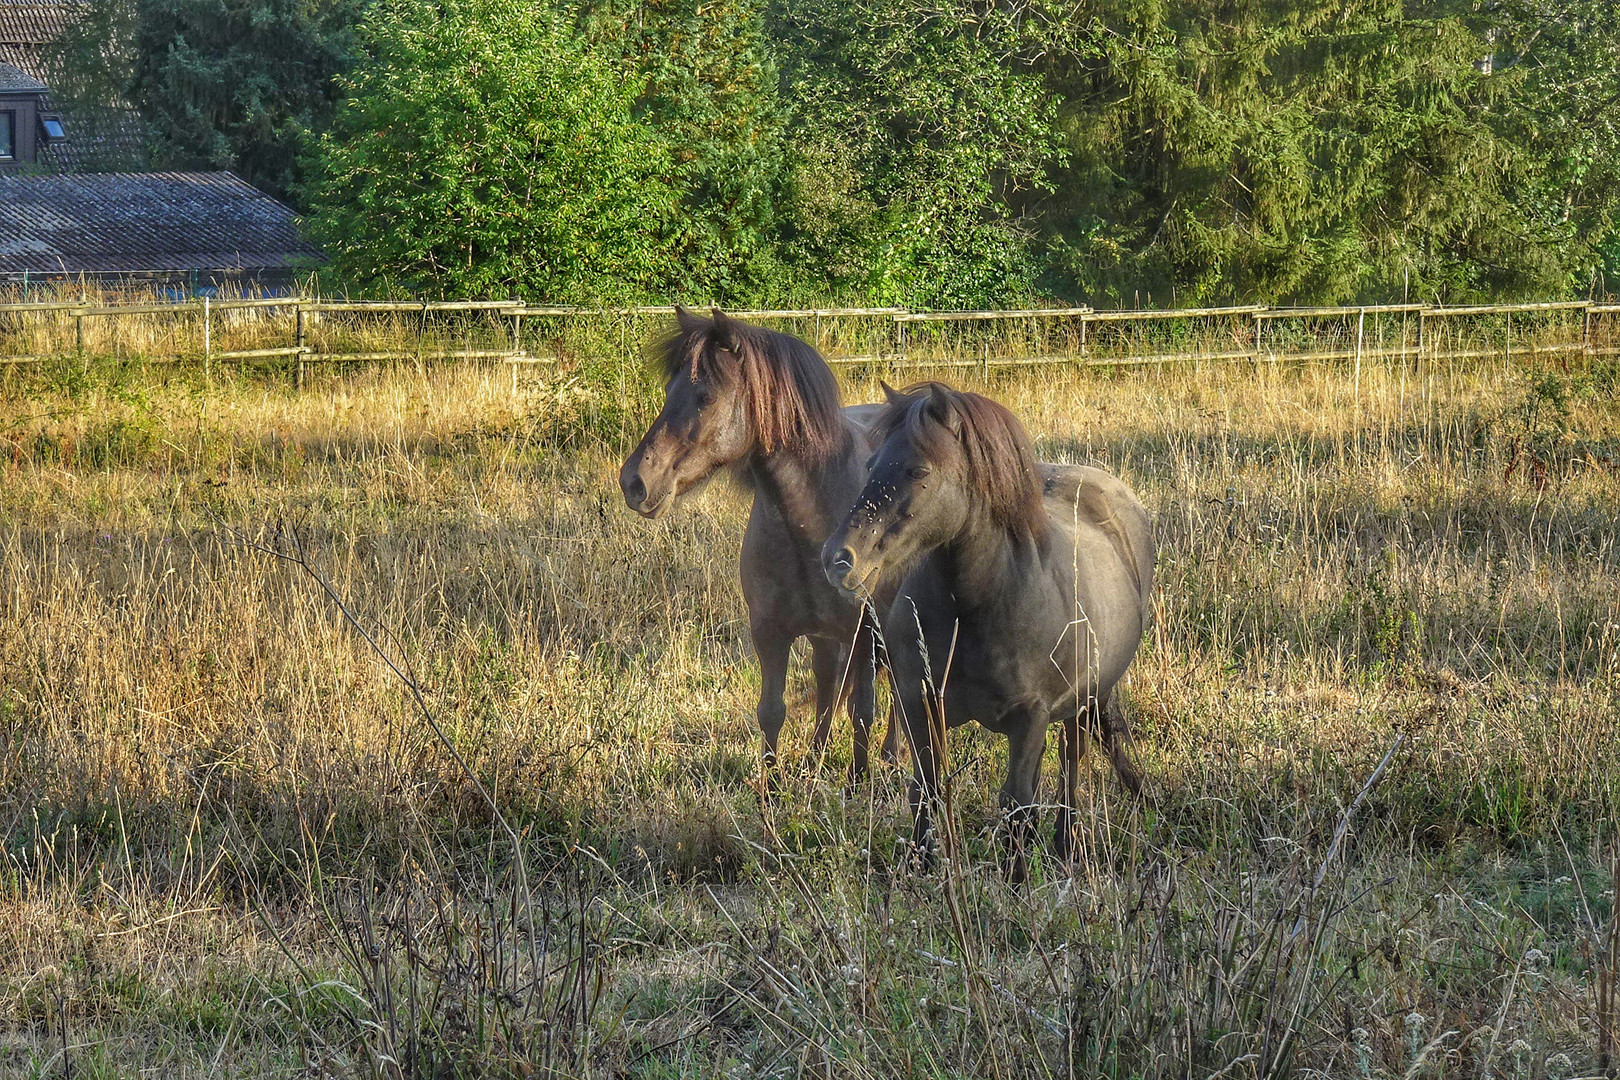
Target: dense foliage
<point x="1329" y="151"/>
<point x="221" y="84"/>
<point x="489" y="150"/>
<point x="945" y="153"/>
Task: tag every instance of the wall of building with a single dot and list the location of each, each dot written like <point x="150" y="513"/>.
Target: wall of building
<point x="24" y="111"/>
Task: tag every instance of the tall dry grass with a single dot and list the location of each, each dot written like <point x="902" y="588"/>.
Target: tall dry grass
<point x="235" y="846"/>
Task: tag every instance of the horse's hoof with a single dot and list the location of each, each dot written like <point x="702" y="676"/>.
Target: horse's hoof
<point x="769" y="784"/>
<point x="856" y="778"/>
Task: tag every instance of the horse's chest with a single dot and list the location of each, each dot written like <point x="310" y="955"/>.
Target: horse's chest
<point x="783" y="582"/>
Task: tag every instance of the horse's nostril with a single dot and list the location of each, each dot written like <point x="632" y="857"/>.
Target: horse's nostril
<point x="635" y="492"/>
<point x="843" y="560"/>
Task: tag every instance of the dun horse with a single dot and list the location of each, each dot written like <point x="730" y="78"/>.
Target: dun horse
<point x="767" y="404"/>
<point x="1022" y="603"/>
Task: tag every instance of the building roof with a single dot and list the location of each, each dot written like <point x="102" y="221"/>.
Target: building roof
<point x="126" y="222"/>
<point x="33" y="22"/>
<point x="27" y="26"/>
<point x="99" y="138"/>
<point x="13" y="80"/>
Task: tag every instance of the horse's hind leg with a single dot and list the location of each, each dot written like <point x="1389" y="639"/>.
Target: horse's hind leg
<point x="891" y="737"/>
<point x="772" y="650"/>
<point x="1116" y="734"/>
<point x="1071" y="751"/>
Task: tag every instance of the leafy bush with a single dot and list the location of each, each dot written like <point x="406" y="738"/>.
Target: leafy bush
<point x="487" y="150"/>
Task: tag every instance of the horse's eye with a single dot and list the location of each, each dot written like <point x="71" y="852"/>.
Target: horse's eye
<point x="919" y="472"/>
<point x="704" y="399"/>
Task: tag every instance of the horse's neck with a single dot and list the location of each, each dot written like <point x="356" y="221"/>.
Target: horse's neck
<point x="810" y="497"/>
<point x="987" y="569"/>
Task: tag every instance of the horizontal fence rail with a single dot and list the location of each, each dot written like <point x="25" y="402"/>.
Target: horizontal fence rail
<point x="298" y="331"/>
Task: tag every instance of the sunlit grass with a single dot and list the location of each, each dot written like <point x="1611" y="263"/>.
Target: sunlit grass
<point x="233" y="845"/>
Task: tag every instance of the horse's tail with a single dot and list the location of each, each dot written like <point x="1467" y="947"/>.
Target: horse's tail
<point x="1116" y="735"/>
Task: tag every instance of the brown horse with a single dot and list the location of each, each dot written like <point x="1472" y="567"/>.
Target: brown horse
<point x="767" y="405"/>
<point x="1022" y="601"/>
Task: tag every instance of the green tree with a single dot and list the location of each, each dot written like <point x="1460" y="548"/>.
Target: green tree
<point x="709" y="93"/>
<point x="220" y="84"/>
<point x="486" y="149"/>
<point x="1282" y="150"/>
<point x="916" y="127"/>
<point x="1561" y="62"/>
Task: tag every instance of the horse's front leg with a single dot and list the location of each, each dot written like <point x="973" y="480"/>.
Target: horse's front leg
<point x="926" y="733"/>
<point x="827" y="661"/>
<point x="772" y="649"/>
<point x="862" y="699"/>
<point x="1026" y="743"/>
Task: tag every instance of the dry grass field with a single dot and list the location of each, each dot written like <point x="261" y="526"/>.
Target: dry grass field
<point x="235" y="844"/>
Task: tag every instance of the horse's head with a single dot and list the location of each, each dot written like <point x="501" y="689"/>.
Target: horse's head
<point x="730" y="390"/>
<point x="703" y="425"/>
<point x="948" y="459"/>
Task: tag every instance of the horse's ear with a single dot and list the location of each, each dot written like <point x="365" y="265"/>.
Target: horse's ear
<point x="943" y="408"/>
<point x="688" y="321"/>
<point x="891" y="395"/>
<point x="722" y="331"/>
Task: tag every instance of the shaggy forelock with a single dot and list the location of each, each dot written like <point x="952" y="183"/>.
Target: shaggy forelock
<point x="792" y="396"/>
<point x="998" y="456"/>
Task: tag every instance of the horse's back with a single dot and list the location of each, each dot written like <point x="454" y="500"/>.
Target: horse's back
<point x="1089" y="499"/>
<point x="862" y="420"/>
<point x="864" y="416"/>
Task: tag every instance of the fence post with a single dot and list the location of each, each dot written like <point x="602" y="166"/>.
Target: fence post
<point x="1361" y="333"/>
<point x="1084" y="319"/>
<point x="1586" y="334"/>
<point x="298" y="340"/>
<point x="1258" y="323"/>
<point x="421" y="342"/>
<point x="78" y="338"/>
<point x="1423" y="319"/>
<point x="208" y="341"/>
<point x="1422" y="366"/>
<point x="517" y="350"/>
<point x="626" y="361"/>
<point x="1507" y="346"/>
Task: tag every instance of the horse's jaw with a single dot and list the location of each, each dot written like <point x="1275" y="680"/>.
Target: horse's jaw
<point x="660" y="508"/>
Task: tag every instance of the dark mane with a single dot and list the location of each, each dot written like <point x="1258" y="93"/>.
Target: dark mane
<point x="792" y="397"/>
<point x="998" y="452"/>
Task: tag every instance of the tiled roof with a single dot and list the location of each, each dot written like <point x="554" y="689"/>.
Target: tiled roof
<point x="99" y="139"/>
<point x="144" y="221"/>
<point x="29" y="22"/>
<point x="16" y="81"/>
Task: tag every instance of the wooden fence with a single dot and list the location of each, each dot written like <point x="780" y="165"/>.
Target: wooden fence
<point x="298" y="332"/>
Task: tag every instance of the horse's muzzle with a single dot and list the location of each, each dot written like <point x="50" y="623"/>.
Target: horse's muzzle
<point x="636" y="495"/>
<point x="635" y="491"/>
<point x="839" y="567"/>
